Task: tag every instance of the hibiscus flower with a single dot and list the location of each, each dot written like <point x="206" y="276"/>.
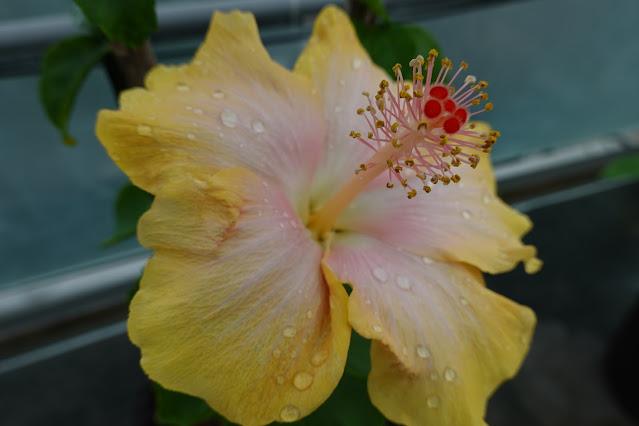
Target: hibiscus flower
<point x="259" y="218"/>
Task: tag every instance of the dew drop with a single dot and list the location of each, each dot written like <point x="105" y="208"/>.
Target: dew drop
<point x="463" y="301"/>
<point x="280" y="380"/>
<point x="405" y="350"/>
<point x="449" y="374"/>
<point x="290" y="413"/>
<point x="433" y="401"/>
<point x="258" y="126"/>
<point x="434" y="376"/>
<point x="190" y="137"/>
<point x="198" y="111"/>
<point x="303" y="380"/>
<point x="466" y="214"/>
<point x="423" y="352"/>
<point x="183" y="87"/>
<point x="217" y="94"/>
<point x="404" y="282"/>
<point x="380" y="274"/>
<point x="229" y="118"/>
<point x="427" y="260"/>
<point x="188" y="108"/>
<point x="309" y="314"/>
<point x="144" y="130"/>
<point x="277" y="353"/>
<point x="357" y="63"/>
<point x="487" y="198"/>
<point x="289" y="331"/>
<point x="339" y="108"/>
<point x="319" y="358"/>
<point x="377" y="329"/>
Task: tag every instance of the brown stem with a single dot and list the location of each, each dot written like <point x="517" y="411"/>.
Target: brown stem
<point x="127" y="66"/>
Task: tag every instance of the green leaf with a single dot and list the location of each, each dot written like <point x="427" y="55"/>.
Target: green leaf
<point x="127" y="21"/>
<point x="390" y="43"/>
<point x="624" y="167"/>
<point x="64" y="68"/>
<point x="358" y="363"/>
<point x="177" y="408"/>
<point x="376" y="7"/>
<point x="131" y="203"/>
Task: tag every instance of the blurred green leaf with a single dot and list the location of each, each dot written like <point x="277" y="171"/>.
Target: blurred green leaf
<point x="624" y="167"/>
<point x="377" y="7"/>
<point x="64" y="68"/>
<point x="127" y="21"/>
<point x="131" y="203"/>
<point x="358" y="363"/>
<point x="177" y="408"/>
<point x="390" y="43"/>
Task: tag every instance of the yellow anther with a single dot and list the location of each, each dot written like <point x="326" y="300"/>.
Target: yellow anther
<point x="443" y="140"/>
<point x="409" y="162"/>
<point x="418" y="76"/>
<point x="396" y="69"/>
<point x="366" y="94"/>
<point x="433" y="54"/>
<point x="396" y="143"/>
<point x="451" y="90"/>
<point x="488" y="106"/>
<point x="463" y="65"/>
<point x="455" y="178"/>
<point x="472" y="125"/>
<point x="363" y="167"/>
<point x="426" y="188"/>
<point x="407" y="86"/>
<point x="434" y="179"/>
<point x="422" y="124"/>
<point x="389" y="185"/>
<point x="404" y="184"/>
<point x="402" y="93"/>
<point x="495" y="133"/>
<point x="486" y="150"/>
<point x="455" y="150"/>
<point x="455" y="162"/>
<point x="420" y="59"/>
<point x="379" y="124"/>
<point x="370" y="135"/>
<point x="412" y="194"/>
<point x="476" y="101"/>
<point x="484" y="96"/>
<point x="355" y="134"/>
<point x="394" y="127"/>
<point x="418" y="93"/>
<point x="491" y="141"/>
<point x="445" y="180"/>
<point x="482" y="84"/>
<point x="421" y="176"/>
<point x="360" y="111"/>
<point x="380" y="104"/>
<point x="398" y="169"/>
<point x="389" y="162"/>
<point x="447" y="63"/>
<point x="384" y="84"/>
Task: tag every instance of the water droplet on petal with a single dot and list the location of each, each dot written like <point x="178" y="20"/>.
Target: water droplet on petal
<point x="463" y="301"/>
<point x="144" y="130"/>
<point x="190" y="137"/>
<point x="377" y="329"/>
<point x="303" y="380"/>
<point x="380" y="274"/>
<point x="309" y="314"/>
<point x="466" y="214"/>
<point x="277" y="353"/>
<point x="188" y="108"/>
<point x="434" y="376"/>
<point x="280" y="380"/>
<point x="449" y="374"/>
<point x="198" y="111"/>
<point x="183" y="87"/>
<point x="258" y="126"/>
<point x="422" y="351"/>
<point x="404" y="282"/>
<point x="289" y="331"/>
<point x="339" y="108"/>
<point x="427" y="260"/>
<point x="229" y="118"/>
<point x="487" y="198"/>
<point x="319" y="358"/>
<point x="433" y="401"/>
<point x="217" y="94"/>
<point x="290" y="413"/>
<point x="357" y="63"/>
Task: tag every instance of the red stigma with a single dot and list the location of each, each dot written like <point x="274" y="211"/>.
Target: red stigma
<point x="439" y="92"/>
<point x="432" y="108"/>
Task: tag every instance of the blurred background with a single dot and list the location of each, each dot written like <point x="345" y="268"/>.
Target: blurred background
<point x="563" y="77"/>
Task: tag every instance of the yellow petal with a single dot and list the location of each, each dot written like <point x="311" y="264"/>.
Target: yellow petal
<point x="231" y="106"/>
<point x="464" y="222"/>
<point x="340" y="69"/>
<point x="442" y="342"/>
<point x="233" y="307"/>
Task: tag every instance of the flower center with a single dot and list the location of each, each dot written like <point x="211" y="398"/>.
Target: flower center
<point x="423" y="131"/>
